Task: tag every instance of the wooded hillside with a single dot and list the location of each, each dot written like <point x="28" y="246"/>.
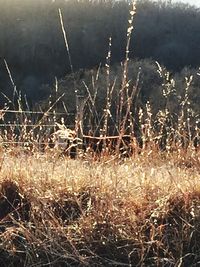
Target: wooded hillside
<point x="31" y="39"/>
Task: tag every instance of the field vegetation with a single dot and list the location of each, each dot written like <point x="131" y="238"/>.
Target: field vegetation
<point x="135" y="207"/>
<point x="142" y="211"/>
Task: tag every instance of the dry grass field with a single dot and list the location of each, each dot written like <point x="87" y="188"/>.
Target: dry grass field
<point x="139" y="211"/>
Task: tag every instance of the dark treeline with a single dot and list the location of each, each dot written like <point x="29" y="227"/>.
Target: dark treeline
<point x="31" y="39"/>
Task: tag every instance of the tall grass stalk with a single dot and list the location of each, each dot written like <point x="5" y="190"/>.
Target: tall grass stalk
<point x="123" y="94"/>
<point x="108" y="91"/>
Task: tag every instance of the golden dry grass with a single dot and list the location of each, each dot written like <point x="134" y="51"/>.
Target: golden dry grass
<point x="107" y="211"/>
<point x="140" y="211"/>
